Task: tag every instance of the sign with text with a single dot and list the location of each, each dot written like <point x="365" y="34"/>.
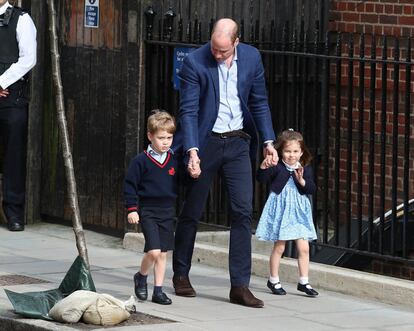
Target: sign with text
<point x="179" y="54"/>
<point x="91" y="13"/>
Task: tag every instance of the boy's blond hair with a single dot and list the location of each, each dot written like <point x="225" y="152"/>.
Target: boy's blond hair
<point x="160" y="120"/>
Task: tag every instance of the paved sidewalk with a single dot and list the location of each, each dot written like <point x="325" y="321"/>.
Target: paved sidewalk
<point x="46" y="251"/>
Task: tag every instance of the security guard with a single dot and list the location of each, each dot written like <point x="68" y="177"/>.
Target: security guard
<point x="17" y="57"/>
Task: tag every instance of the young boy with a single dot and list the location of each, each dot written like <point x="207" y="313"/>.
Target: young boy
<point x="150" y="192"/>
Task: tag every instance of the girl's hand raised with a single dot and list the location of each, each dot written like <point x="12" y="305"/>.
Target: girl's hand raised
<point x="299" y="176"/>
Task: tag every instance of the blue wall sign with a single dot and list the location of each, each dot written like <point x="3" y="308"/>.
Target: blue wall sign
<point x="92" y="13"/>
<point x="179" y="54"/>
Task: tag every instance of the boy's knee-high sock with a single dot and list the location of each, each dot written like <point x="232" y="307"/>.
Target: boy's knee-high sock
<point x="157" y="290"/>
<point x="142" y="280"/>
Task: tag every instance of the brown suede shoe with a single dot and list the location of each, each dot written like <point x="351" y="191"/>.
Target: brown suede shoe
<point x="183" y="286"/>
<point x="241" y="295"/>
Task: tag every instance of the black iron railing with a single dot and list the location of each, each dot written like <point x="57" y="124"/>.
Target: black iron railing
<point x="351" y="97"/>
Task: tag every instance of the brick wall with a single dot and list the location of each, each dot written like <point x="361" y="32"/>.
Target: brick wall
<point x="376" y="16"/>
<point x="366" y="161"/>
<point x="341" y="95"/>
<point x="396" y="20"/>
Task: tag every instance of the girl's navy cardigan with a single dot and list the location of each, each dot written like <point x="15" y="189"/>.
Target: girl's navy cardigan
<point x="279" y="175"/>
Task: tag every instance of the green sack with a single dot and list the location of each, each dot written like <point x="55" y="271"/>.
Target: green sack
<point x="77" y="278"/>
<point x="38" y="304"/>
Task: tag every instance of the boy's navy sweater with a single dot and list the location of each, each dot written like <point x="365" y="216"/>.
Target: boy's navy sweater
<point x="150" y="183"/>
<point x="279" y="175"/>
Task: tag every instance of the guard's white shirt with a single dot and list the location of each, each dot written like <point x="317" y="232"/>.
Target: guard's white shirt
<point x="26" y="40"/>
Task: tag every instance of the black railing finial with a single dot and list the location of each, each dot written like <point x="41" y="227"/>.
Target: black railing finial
<point x="149" y="15"/>
<point x="168" y="26"/>
<point x="242" y="30"/>
<point x="196" y="26"/>
<point x="180" y="29"/>
<point x="198" y="36"/>
<point x="188" y="32"/>
<point x="211" y="26"/>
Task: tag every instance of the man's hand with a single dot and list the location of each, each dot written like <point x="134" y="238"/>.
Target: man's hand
<point x="4" y="92"/>
<point x="133" y="218"/>
<point x="270" y="150"/>
<point x="193" y="167"/>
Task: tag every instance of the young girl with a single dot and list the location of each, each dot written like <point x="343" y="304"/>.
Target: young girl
<point x="287" y="214"/>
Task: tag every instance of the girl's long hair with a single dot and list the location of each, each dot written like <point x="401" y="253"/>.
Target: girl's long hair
<point x="291" y="135"/>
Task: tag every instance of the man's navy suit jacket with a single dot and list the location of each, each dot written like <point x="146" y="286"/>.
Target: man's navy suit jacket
<point x="199" y="98"/>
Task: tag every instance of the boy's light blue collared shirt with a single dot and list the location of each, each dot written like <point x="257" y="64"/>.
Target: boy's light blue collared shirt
<point x="230" y="115"/>
<point x="158" y="157"/>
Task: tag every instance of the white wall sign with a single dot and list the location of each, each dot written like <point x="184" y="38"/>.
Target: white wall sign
<point x="91" y="13"/>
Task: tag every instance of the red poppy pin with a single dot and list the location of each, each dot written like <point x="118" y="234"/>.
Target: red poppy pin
<point x="171" y="172"/>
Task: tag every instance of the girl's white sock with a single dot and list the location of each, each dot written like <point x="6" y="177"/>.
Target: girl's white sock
<point x="303" y="280"/>
<point x="275" y="280"/>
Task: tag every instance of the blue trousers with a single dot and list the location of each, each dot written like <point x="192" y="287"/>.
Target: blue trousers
<point x="230" y="158"/>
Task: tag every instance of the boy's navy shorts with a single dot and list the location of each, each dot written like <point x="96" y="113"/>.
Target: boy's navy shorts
<point x="157" y="224"/>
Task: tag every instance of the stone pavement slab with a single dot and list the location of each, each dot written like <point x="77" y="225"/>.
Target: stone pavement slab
<point x="46" y="251"/>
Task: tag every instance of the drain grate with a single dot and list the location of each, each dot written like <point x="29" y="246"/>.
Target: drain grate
<point x="19" y="280"/>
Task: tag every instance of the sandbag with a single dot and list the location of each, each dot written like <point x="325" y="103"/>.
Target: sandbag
<point x="71" y="308"/>
<point x="106" y="310"/>
<point x="38" y="304"/>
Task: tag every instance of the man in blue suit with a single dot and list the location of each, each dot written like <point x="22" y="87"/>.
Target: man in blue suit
<point x="223" y="104"/>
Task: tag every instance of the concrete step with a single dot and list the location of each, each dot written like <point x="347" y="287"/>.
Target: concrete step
<point x="211" y="249"/>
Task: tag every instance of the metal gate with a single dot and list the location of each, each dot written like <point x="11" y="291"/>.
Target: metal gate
<point x="350" y="95"/>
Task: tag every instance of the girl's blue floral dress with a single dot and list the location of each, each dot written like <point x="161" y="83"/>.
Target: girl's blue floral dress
<point x="286" y="216"/>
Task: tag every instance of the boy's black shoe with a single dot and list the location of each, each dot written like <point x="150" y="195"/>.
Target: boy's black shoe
<point x="140" y="291"/>
<point x="277" y="291"/>
<point x="309" y="291"/>
<point x="161" y="298"/>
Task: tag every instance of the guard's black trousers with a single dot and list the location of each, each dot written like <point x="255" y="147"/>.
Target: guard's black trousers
<point x="13" y="131"/>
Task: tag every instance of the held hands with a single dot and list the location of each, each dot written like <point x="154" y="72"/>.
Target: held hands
<point x="271" y="152"/>
<point x="193" y="167"/>
<point x="133" y="218"/>
<point x="4" y="92"/>
<point x="299" y="176"/>
<point x="267" y="162"/>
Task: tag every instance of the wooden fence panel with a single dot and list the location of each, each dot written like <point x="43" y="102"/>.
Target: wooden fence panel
<point x="95" y="65"/>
